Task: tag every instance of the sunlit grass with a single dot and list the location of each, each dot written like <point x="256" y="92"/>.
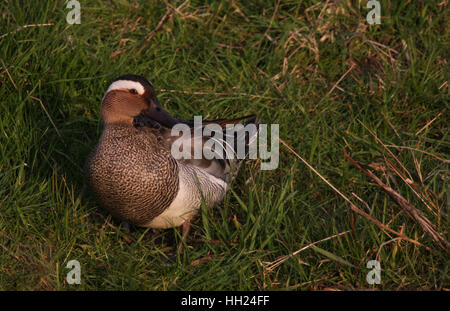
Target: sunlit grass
<point x="312" y="69"/>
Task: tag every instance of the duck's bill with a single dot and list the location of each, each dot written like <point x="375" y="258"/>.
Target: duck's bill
<point x="158" y="114"/>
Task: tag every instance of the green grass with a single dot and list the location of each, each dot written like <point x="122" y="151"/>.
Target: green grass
<point x="278" y="60"/>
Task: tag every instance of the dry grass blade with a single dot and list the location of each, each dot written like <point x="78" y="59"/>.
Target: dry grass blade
<point x="402" y="202"/>
<point x="352" y="205"/>
<point x="161" y="23"/>
<point x="421" y="151"/>
<point x="415" y="187"/>
<point x="272" y="265"/>
<point x="387" y="149"/>
<point x="159" y="26"/>
<point x="48" y="115"/>
<point x="7" y="72"/>
<point x="428" y="124"/>
<point x="337" y="83"/>
<point x="206" y="259"/>
<point x="383" y="244"/>
<point x="19" y="28"/>
<point x="218" y="94"/>
<point x="270" y="25"/>
<point x="408" y="180"/>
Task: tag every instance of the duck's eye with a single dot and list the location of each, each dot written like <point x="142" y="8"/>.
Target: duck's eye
<point x="133" y="91"/>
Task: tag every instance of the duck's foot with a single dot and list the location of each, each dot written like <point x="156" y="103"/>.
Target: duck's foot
<point x="186" y="228"/>
<point x="126" y="227"/>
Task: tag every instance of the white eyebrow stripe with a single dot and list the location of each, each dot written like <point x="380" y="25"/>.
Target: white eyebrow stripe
<point x="126" y="84"/>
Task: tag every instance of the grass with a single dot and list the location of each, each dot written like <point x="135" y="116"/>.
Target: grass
<point x="317" y="68"/>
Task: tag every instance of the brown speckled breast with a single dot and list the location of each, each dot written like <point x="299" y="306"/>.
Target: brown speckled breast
<point x="132" y="173"/>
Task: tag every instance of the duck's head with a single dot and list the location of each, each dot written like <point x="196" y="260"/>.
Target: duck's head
<point x="130" y="96"/>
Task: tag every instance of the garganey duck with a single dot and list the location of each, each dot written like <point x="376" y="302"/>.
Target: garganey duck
<point x="131" y="171"/>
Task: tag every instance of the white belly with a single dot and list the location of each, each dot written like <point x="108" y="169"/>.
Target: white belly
<point x="188" y="199"/>
<point x="181" y="209"/>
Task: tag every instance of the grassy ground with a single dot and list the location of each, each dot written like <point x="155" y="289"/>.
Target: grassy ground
<point x="317" y="68"/>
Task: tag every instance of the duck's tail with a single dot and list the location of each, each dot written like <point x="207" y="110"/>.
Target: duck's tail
<point x="237" y="144"/>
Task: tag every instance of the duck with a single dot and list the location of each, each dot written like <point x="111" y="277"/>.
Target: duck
<point x="132" y="171"/>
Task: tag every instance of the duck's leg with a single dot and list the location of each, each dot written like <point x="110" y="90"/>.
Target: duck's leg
<point x="126" y="227"/>
<point x="186" y="228"/>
